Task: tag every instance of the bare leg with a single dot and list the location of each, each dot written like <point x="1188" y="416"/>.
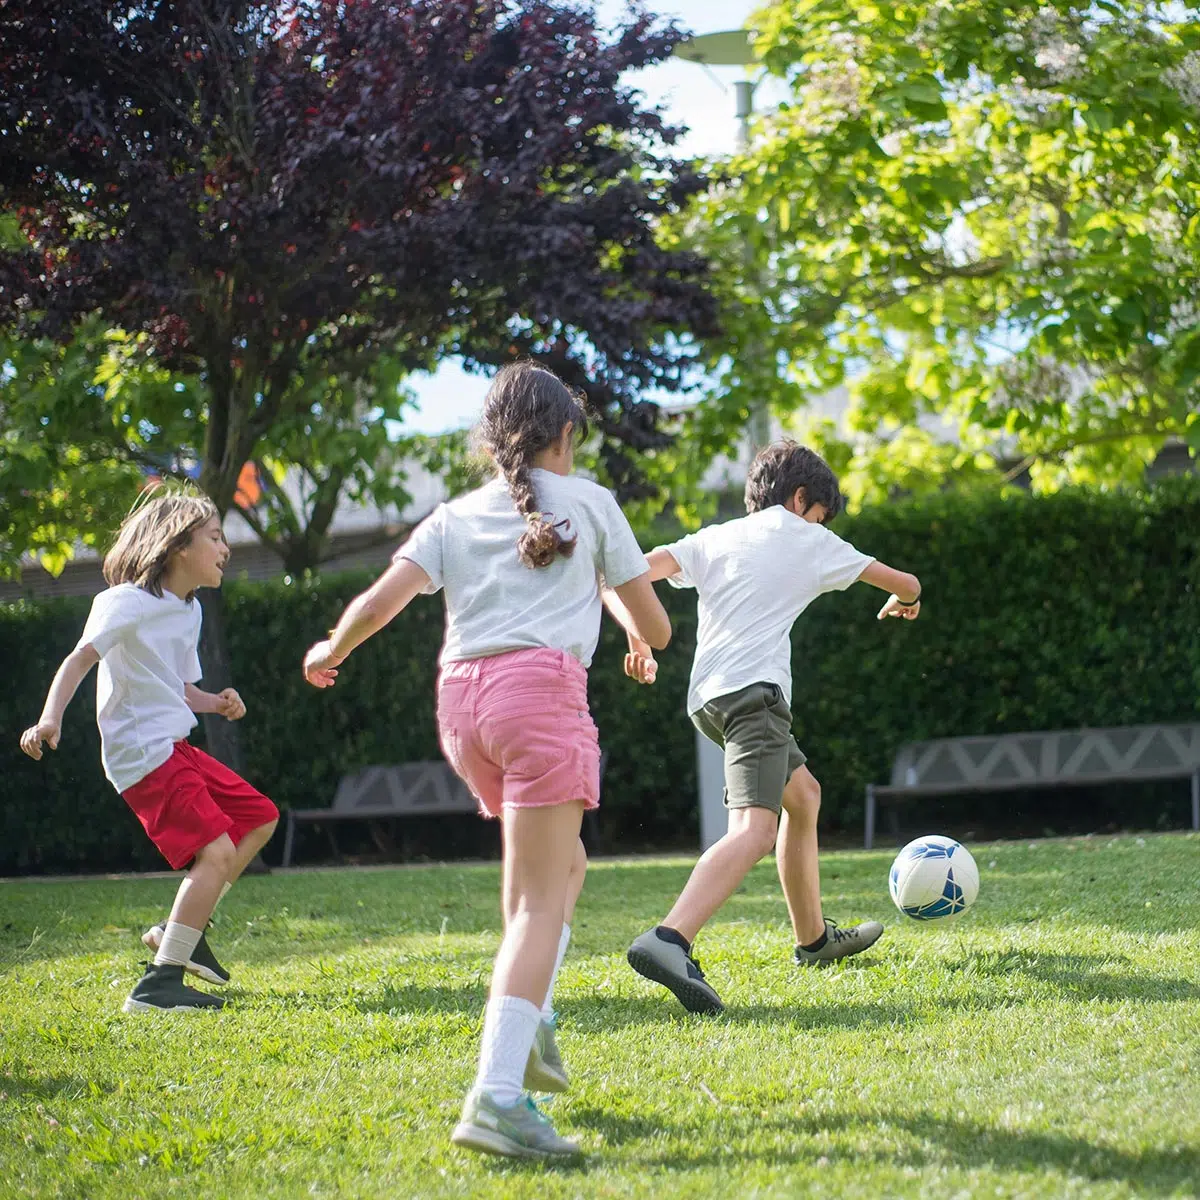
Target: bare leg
<point x="540" y="845"/>
<point x="249" y="846"/>
<point x="201" y="887"/>
<point x="796" y="856"/>
<point x="721" y="868"/>
<point x="575" y="881"/>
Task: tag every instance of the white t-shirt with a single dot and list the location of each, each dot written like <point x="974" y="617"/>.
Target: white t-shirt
<point x="754" y="577"/>
<point x="148" y="647"/>
<point x="494" y="603"/>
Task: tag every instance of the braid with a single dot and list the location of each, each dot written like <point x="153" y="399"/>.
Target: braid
<point x="541" y="543"/>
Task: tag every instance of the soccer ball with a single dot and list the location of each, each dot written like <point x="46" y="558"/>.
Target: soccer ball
<point x="933" y="877"/>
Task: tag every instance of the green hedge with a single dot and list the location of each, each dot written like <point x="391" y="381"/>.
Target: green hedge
<point x="1040" y="613"/>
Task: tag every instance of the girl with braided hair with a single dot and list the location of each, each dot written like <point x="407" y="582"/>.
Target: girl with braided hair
<point x="522" y="561"/>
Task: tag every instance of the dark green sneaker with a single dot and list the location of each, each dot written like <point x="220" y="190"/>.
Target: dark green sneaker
<point x="520" y="1130"/>
<point x="162" y="989"/>
<point x="544" y="1072"/>
<point x="839" y="943"/>
<point x="203" y="961"/>
<point x="669" y="964"/>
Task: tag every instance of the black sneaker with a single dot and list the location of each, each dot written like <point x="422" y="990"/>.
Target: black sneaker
<point x="666" y="963"/>
<point x="203" y="961"/>
<point x="162" y="989"/>
<point x="839" y="943"/>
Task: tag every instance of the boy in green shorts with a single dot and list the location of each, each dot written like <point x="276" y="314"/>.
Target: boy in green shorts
<point x="755" y="576"/>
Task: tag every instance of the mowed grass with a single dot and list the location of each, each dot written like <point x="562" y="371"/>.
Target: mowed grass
<point x="1045" y="1044"/>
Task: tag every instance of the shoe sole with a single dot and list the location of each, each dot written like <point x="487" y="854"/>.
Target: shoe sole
<point x="539" y="1078"/>
<point x="695" y="999"/>
<point x="828" y="962"/>
<point x="192" y="968"/>
<point x="492" y="1141"/>
<point x="140" y="1006"/>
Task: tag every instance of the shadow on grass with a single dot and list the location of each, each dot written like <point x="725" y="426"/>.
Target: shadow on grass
<point x="17" y="1087"/>
<point x="934" y="1142"/>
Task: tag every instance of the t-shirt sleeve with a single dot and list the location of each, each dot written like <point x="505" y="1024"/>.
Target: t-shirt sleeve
<point x="113" y="615"/>
<point x="688" y="552"/>
<point x="621" y="558"/>
<point x="193" y="672"/>
<point x="426" y="548"/>
<point x="841" y="564"/>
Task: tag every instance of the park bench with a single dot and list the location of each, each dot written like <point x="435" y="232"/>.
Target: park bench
<point x="1009" y="761"/>
<point x="378" y="794"/>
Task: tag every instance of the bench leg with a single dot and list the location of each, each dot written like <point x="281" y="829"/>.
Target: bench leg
<point x="1196" y="800"/>
<point x="289" y="838"/>
<point x="869" y="827"/>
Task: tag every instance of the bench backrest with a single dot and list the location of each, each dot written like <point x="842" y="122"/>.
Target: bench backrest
<point x="411" y="788"/>
<point x="1063" y="756"/>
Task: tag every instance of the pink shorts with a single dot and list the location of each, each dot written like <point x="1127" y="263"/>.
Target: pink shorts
<point x="191" y="800"/>
<point x="516" y="729"/>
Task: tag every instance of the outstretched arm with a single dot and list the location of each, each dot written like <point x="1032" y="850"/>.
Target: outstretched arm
<point x="66" y="682"/>
<point x="905" y="598"/>
<point x="226" y="703"/>
<point x="364" y="616"/>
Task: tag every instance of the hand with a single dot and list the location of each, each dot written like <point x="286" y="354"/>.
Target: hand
<point x="639" y="662"/>
<point x="894" y="608"/>
<point x="321" y="664"/>
<point x="44" y="731"/>
<point x="230" y="705"/>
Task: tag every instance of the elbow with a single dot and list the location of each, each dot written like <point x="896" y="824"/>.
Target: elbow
<point x="662" y="632"/>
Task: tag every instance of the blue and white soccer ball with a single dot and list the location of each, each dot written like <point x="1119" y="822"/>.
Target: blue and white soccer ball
<point x="933" y="877"/>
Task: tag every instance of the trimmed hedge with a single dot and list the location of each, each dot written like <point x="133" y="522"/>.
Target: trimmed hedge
<point x="1040" y="613"/>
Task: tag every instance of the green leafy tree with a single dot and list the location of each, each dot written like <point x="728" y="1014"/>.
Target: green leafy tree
<point x="984" y="218"/>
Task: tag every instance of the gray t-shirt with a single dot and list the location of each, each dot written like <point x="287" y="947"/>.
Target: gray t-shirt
<point x="494" y="603"/>
<point x="755" y="576"/>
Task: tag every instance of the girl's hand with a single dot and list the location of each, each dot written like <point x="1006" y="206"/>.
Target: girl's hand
<point x="896" y="608"/>
<point x="639" y="662"/>
<point x="230" y="705"/>
<point x="321" y="664"/>
<point x="44" y="731"/>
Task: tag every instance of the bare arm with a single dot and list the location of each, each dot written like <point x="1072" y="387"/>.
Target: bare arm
<point x="226" y="703"/>
<point x="364" y="616"/>
<point x="662" y="564"/>
<point x="66" y="682"/>
<point x="905" y="589"/>
<point x="640" y="612"/>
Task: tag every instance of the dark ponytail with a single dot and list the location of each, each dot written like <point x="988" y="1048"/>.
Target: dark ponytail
<point x="525" y="412"/>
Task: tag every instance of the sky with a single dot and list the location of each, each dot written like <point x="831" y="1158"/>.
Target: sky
<point x="700" y="98"/>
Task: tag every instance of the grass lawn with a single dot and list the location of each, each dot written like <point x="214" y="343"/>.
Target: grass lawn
<point x="1047" y="1043"/>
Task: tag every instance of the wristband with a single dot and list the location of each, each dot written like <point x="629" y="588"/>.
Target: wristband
<point x="909" y="603"/>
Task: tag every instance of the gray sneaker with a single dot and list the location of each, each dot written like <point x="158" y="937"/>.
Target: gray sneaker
<point x="544" y="1072"/>
<point x="162" y="989"/>
<point x="840" y="943"/>
<point x="666" y="963"/>
<point x="203" y="961"/>
<point x="521" y="1130"/>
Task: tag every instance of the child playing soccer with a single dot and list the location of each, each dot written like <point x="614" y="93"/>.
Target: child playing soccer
<point x="755" y="576"/>
<point x="144" y="631"/>
<point x="519" y="561"/>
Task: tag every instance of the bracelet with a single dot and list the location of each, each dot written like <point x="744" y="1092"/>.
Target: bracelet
<point x="909" y="603"/>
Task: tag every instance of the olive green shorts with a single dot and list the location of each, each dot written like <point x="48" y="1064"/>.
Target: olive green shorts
<point x="754" y="726"/>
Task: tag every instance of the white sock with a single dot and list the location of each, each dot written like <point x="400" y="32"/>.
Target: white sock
<point x="177" y="944"/>
<point x="509" y="1027"/>
<point x="563" y="939"/>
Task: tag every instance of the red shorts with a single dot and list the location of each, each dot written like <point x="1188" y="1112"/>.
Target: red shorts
<point x="191" y="800"/>
<point x="516" y="728"/>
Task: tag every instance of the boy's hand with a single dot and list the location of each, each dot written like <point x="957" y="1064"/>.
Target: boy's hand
<point x="230" y="705"/>
<point x="320" y="665"/>
<point x="639" y="662"/>
<point x="44" y="731"/>
<point x="895" y="607"/>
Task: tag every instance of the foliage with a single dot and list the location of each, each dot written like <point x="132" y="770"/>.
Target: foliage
<point x="981" y="216"/>
<point x="1040" y="613"/>
<point x="292" y="205"/>
<point x="919" y="1070"/>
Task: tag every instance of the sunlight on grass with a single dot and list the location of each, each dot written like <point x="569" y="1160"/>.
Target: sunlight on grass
<point x="1044" y="1044"/>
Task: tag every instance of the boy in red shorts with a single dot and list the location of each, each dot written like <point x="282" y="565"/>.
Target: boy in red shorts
<point x="144" y="631"/>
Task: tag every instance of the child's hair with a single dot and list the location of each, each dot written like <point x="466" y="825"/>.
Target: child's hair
<point x="161" y="522"/>
<point x="525" y="411"/>
<point x="783" y="467"/>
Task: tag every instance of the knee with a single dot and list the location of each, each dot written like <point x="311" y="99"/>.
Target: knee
<point x="266" y="830"/>
<point x="802" y="797"/>
<point x="219" y="856"/>
<point x="757" y="835"/>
